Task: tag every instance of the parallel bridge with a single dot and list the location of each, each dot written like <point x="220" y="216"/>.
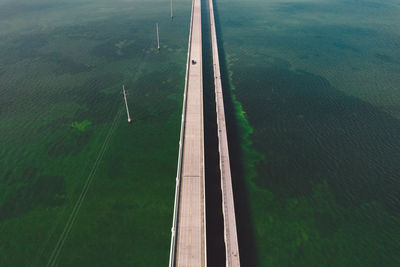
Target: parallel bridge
<point x="228" y="206"/>
<point x="188" y="242"/>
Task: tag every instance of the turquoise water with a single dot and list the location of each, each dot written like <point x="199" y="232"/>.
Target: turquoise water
<point x="315" y="88"/>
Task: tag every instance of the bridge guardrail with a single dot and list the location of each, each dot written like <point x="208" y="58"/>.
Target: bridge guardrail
<point x="172" y="254"/>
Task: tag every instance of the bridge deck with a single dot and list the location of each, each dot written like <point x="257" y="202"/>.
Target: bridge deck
<point x="190" y="233"/>
<point x="228" y="207"/>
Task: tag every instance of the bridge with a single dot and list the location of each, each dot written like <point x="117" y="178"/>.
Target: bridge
<point x="188" y="240"/>
<point x="228" y="206"/>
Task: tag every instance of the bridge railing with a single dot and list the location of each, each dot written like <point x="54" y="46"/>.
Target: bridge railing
<point x="172" y="254"/>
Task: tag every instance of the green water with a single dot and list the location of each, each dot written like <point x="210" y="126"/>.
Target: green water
<point x="315" y="87"/>
<point x="63" y="122"/>
<point x="313" y="114"/>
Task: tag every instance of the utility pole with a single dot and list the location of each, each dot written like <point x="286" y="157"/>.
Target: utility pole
<point x="158" y="38"/>
<point x="126" y="104"/>
<point x="172" y="13"/>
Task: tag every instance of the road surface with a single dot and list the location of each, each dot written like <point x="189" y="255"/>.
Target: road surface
<point x="188" y="244"/>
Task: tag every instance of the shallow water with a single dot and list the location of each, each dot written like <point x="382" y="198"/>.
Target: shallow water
<point x="318" y="118"/>
<point x="313" y="116"/>
<point x="63" y="123"/>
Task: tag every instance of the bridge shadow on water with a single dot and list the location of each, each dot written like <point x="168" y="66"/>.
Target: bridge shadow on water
<point x="215" y="227"/>
<point x="214" y="217"/>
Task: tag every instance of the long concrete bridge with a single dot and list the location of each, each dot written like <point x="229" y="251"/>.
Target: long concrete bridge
<point x="188" y="241"/>
<point x="228" y="206"/>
